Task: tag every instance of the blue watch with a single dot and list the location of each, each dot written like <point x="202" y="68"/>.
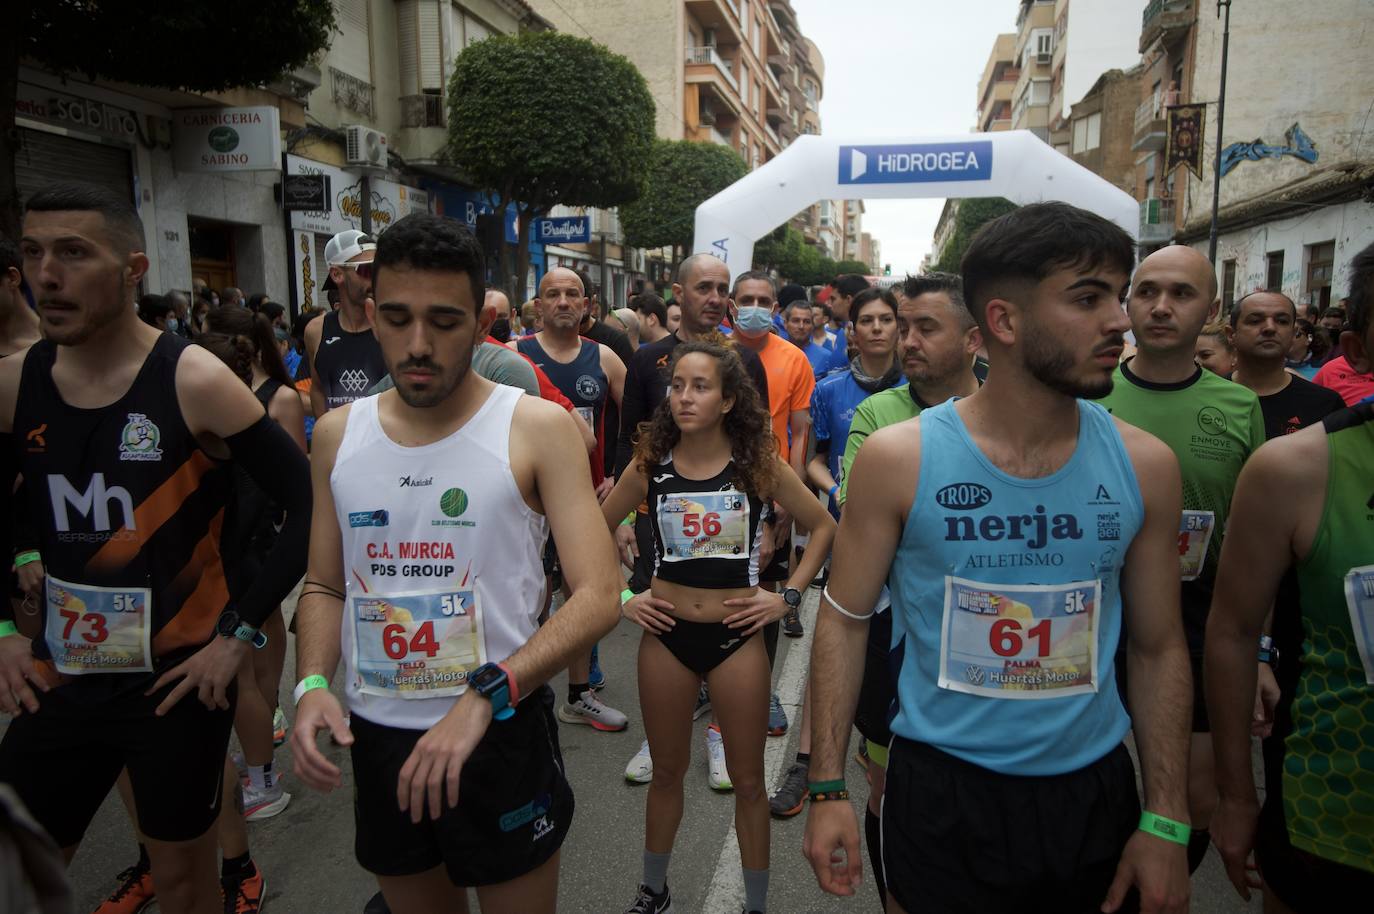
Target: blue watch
<point x="490" y="682"/>
<point x="231" y="626"/>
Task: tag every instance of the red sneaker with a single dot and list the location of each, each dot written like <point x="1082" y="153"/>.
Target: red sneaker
<point x="244" y="895"/>
<point x="134" y="894"/>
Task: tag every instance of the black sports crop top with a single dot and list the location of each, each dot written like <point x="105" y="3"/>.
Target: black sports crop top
<point x="706" y="531"/>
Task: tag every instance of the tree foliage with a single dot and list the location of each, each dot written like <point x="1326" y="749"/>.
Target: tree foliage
<point x="544" y="118"/>
<point x="972" y="214"/>
<point x="682" y="174"/>
<point x="198" y="45"/>
<point x="786" y="251"/>
<point x="853" y="266"/>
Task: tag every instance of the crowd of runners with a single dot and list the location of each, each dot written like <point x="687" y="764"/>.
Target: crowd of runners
<point x="1042" y="533"/>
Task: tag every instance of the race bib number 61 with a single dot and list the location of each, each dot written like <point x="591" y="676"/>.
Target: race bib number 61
<point x="1019" y="640"/>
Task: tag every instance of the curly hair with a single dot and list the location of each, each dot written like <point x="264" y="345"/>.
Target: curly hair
<point x="234" y="350"/>
<point x="257" y="330"/>
<point x="747" y="424"/>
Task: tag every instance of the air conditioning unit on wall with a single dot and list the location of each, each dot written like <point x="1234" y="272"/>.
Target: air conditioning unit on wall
<point x="365" y="146"/>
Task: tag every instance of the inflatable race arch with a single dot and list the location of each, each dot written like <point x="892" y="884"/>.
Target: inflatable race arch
<point x="1014" y="164"/>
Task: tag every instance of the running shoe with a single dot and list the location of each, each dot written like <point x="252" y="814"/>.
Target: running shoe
<point x="791" y="624"/>
<point x="717" y="776"/>
<point x="135" y="892"/>
<point x="646" y="902"/>
<point x="777" y="717"/>
<point x="244" y="894"/>
<point x="265" y="803"/>
<point x="278" y="727"/>
<point x="241" y="766"/>
<point x="376" y="905"/>
<point x="597" y="678"/>
<point x="703" y="702"/>
<point x="791" y="793"/>
<point x="589" y="710"/>
<point x="641" y="767"/>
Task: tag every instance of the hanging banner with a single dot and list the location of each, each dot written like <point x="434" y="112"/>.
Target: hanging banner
<point x="1184" y="125"/>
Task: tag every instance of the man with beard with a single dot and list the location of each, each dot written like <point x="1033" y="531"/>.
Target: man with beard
<point x="345" y="360"/>
<point x="126" y="436"/>
<point x="1019" y="529"/>
<point x="1213" y="426"/>
<point x="435" y="499"/>
<point x="1263" y="325"/>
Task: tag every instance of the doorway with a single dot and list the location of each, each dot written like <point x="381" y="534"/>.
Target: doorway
<point x="212" y="253"/>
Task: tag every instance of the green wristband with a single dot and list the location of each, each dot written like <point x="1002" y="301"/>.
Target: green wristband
<point x="309" y="684"/>
<point x="626" y="595"/>
<point x="1168" y="829"/>
<point x="26" y="558"/>
<point x="825" y="786"/>
<point x="629" y="520"/>
<point x="8" y="628"/>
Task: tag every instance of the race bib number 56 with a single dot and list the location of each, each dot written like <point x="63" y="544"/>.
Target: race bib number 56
<point x="1019" y="640"/>
<point x="704" y="525"/>
<point x="416" y="645"/>
<point x="98" y="629"/>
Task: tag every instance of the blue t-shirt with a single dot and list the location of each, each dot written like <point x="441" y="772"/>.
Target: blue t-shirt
<point x="1006" y="601"/>
<point x="832" y="412"/>
<point x="822" y="359"/>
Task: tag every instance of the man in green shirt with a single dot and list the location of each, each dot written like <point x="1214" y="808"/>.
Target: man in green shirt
<point x="1213" y="426"/>
<point x="937" y="339"/>
<point x="1314" y="838"/>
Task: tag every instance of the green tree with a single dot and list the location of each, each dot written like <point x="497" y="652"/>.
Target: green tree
<point x="682" y="175"/>
<point x="853" y="266"/>
<point x="971" y="216"/>
<point x="199" y="45"/>
<point x="544" y="118"/>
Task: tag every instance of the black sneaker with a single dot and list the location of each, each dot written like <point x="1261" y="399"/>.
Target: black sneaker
<point x="791" y="793"/>
<point x="646" y="902"/>
<point x="791" y="624"/>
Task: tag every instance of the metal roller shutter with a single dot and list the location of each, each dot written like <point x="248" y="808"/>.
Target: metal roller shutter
<point x="45" y="158"/>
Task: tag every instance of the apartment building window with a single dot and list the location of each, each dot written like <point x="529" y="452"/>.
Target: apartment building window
<point x="1273" y="270"/>
<point x="420" y="47"/>
<point x="350" y="51"/>
<point x="1320" y="260"/>
<point x="1044" y="43"/>
<point x="1087" y="132"/>
<point x="758" y="98"/>
<point x="1228" y="285"/>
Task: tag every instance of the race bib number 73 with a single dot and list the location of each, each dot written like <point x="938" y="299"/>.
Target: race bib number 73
<point x="98" y="629"/>
<point x="1019" y="640"/>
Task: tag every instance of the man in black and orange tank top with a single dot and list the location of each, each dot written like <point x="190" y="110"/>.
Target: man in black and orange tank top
<point x="345" y="359"/>
<point x="122" y="433"/>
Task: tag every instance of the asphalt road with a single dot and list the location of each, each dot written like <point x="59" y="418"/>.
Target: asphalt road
<point x="307" y="851"/>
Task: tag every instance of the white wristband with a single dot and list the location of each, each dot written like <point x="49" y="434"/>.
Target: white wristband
<point x="308" y="684"/>
<point x="825" y="591"/>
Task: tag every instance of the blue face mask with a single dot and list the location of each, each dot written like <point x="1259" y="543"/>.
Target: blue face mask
<point x="173" y="325"/>
<point x="753" y="319"/>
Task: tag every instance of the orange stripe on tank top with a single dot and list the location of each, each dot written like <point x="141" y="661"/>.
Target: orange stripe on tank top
<point x="151" y="514"/>
<point x="194" y="623"/>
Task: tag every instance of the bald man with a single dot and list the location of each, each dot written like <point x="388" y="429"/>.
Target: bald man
<point x="1213" y="426"/>
<point x="629" y="322"/>
<point x="501" y="324"/>
<point x="591" y="375"/>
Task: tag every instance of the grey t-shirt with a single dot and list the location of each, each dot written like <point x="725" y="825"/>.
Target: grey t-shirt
<point x="494" y="362"/>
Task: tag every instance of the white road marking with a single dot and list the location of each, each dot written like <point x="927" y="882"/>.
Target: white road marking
<point x="727" y="883"/>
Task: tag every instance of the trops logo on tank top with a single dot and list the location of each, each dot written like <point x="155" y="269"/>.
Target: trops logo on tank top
<point x="1031" y="532"/>
<point x="140" y="439"/>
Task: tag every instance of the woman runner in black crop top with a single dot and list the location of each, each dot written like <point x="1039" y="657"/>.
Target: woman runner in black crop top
<point x="707" y="464"/>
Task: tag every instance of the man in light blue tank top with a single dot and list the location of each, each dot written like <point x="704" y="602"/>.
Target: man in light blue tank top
<point x="1018" y="529"/>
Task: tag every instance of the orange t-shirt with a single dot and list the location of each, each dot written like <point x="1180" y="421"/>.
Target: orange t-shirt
<point x="790" y="385"/>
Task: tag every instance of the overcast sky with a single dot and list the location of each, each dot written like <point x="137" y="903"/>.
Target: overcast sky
<point x="902" y="68"/>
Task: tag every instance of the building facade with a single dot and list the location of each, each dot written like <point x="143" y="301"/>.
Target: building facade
<point x="997" y="85"/>
<point x="1101" y="128"/>
<point x="1034" y="52"/>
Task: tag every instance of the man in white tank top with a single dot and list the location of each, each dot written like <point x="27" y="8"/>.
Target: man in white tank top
<point x="433" y="501"/>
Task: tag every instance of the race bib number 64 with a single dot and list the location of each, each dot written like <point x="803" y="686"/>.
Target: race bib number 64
<point x="1019" y="640"/>
<point x="416" y="645"/>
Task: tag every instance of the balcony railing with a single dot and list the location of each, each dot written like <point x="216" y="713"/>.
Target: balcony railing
<point x="709" y="55"/>
<point x="718" y="137"/>
<point x="1157" y="219"/>
<point x="422" y="111"/>
<point x="351" y="92"/>
<point x="812" y="104"/>
<point x="1149" y="110"/>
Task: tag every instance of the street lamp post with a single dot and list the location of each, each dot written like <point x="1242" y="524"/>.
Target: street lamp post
<point x="1221" y="119"/>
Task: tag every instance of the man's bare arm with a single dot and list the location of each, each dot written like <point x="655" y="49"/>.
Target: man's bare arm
<point x="1160" y="680"/>
<point x="615" y="373"/>
<point x="319" y="613"/>
<point x="882" y="487"/>
<point x="313" y="330"/>
<point x="799" y="424"/>
<point x="563" y="489"/>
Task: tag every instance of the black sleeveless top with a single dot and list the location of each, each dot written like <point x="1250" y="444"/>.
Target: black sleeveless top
<point x="123" y="496"/>
<point x="348" y="363"/>
<point x="706" y="531"/>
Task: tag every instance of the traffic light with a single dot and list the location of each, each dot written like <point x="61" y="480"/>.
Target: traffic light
<point x="887" y="269"/>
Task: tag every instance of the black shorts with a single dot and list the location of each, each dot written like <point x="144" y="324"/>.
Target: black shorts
<point x="702" y="646"/>
<point x="960" y="838"/>
<point x="1201" y="723"/>
<point x="1303" y="881"/>
<point x="877" y="692"/>
<point x="776" y="569"/>
<point x="63" y="760"/>
<point x="514" y="803"/>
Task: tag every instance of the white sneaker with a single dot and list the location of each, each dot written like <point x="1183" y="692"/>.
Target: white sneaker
<point x="717" y="777"/>
<point x="641" y="767"/>
<point x="589" y="710"/>
<point x="265" y="803"/>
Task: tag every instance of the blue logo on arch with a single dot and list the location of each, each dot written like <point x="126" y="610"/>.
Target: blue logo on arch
<point x="916" y="163"/>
